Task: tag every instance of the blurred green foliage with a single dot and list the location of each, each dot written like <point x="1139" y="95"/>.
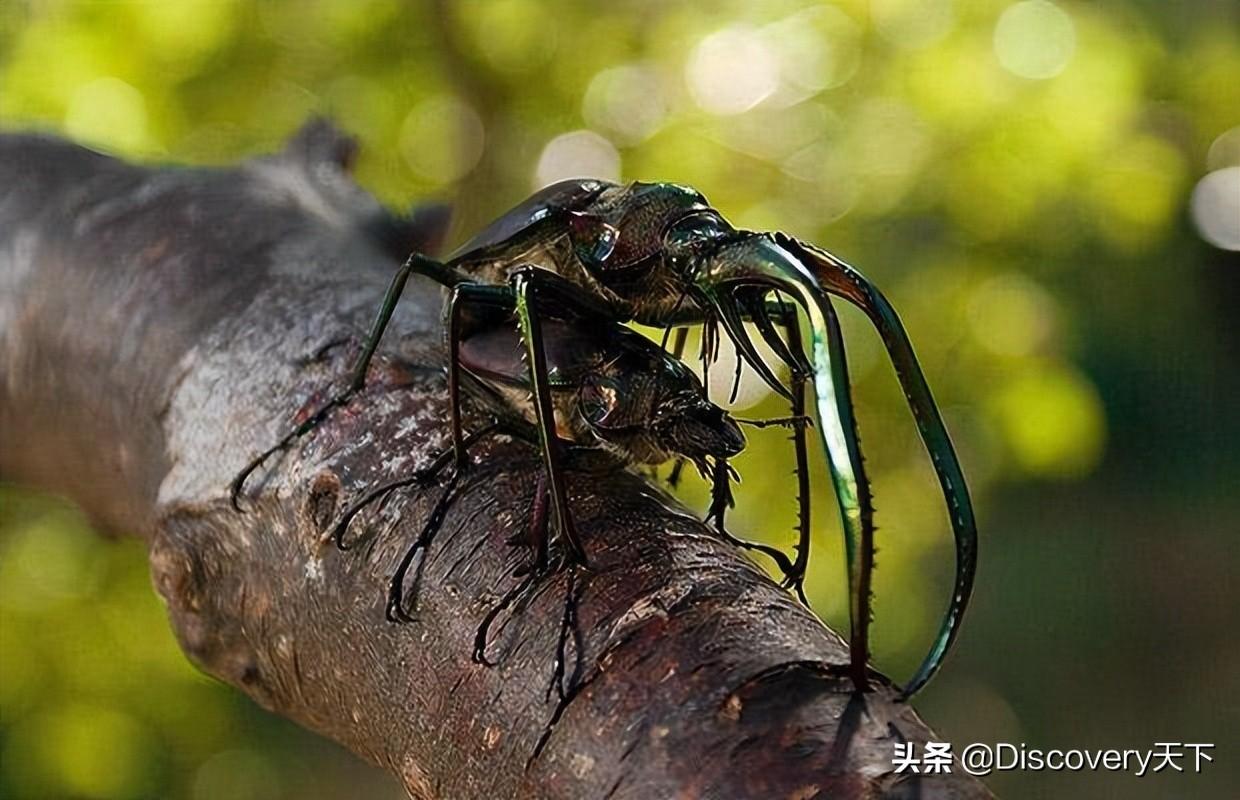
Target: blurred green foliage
<point x="1019" y="177"/>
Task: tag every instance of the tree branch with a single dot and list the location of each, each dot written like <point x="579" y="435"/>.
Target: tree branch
<point x="159" y="326"/>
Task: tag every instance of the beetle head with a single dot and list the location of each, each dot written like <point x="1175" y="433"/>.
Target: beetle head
<point x="695" y="428"/>
<point x="621" y="231"/>
<point x="656" y="412"/>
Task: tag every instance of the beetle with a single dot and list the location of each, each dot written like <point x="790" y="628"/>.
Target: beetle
<point x="658" y="254"/>
<point x="611" y="389"/>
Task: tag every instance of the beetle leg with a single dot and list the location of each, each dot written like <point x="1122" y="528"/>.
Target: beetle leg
<point x="423" y="476"/>
<point x="677" y="350"/>
<point x="415" y="263"/>
<point x="568" y="625"/>
<point x="839" y="436"/>
<point x="840" y="278"/>
<point x="568" y="621"/>
<point x="721" y="500"/>
<point x="576" y="301"/>
<point x="525" y="285"/>
<point x="792" y="354"/>
<point x="859" y="542"/>
<point x="736" y="380"/>
<point x="395" y="610"/>
<point x="482" y="635"/>
<point x="454" y="372"/>
<point x="796" y="576"/>
<point x="568" y="628"/>
<point x="771" y="422"/>
<point x="537" y="531"/>
<point x="462" y="295"/>
<point x="756" y="261"/>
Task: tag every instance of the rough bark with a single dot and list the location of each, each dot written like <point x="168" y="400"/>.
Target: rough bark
<point x="159" y="325"/>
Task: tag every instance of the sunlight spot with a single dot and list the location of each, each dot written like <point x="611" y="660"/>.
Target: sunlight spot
<point x="1053" y="421"/>
<point x="628" y="101"/>
<point x="96" y="752"/>
<point x="441" y="139"/>
<point x="1035" y="39"/>
<point x="1216" y="208"/>
<point x="731" y="71"/>
<point x="817" y="48"/>
<point x="578" y="154"/>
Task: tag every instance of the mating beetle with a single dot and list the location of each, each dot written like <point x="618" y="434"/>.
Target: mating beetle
<point x="615" y="389"/>
<point x="660" y="255"/>
<point x="610" y="388"/>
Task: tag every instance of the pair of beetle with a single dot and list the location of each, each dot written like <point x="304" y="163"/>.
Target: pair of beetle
<point x="581" y="257"/>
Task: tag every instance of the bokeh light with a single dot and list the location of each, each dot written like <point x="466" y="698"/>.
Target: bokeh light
<point x="578" y="154"/>
<point x="1225" y="150"/>
<point x="1216" y="208"/>
<point x="817" y="48"/>
<point x="628" y="102"/>
<point x="83" y="751"/>
<point x="442" y="139"/>
<point x="732" y="70"/>
<point x="1035" y="39"/>
<point x="1053" y="420"/>
<point x="1013" y="316"/>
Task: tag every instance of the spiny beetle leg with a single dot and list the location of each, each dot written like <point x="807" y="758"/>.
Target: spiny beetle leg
<point x="568" y="621"/>
<point x="860" y="552"/>
<point x="395" y="610"/>
<point x="844" y="280"/>
<point x="533" y="578"/>
<point x="526" y="286"/>
<point x="415" y="263"/>
<point x="787" y="317"/>
<point x="679" y="339"/>
<point x="721" y="500"/>
<point x="535" y="531"/>
<point x="783" y="422"/>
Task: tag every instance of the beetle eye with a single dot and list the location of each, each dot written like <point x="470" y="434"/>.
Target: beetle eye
<point x="694" y="237"/>
<point x="593" y="238"/>
<point x="598" y="398"/>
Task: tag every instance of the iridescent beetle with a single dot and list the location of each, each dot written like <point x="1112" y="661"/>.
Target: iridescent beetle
<point x="658" y="254"/>
<point x="610" y="389"/>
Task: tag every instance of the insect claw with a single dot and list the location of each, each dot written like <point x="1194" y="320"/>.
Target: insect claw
<point x="729" y="315"/>
<point x="754" y="304"/>
<point x="392" y="611"/>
